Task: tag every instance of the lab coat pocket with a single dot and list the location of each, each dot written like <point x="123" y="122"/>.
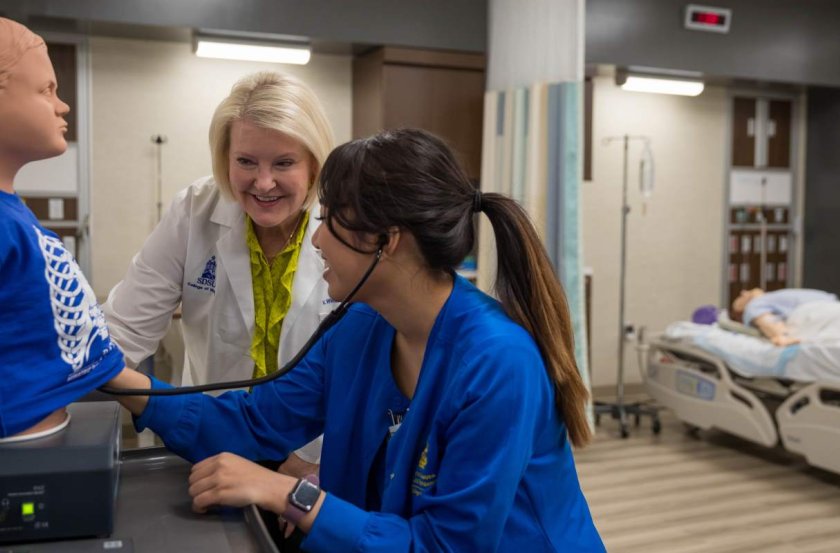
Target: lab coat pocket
<point x="232" y="329"/>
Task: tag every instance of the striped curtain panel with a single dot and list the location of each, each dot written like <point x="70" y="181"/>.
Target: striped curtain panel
<point x="531" y="152"/>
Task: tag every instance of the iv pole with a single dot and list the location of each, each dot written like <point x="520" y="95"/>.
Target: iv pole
<point x="148" y="364"/>
<point x="621" y="410"/>
<point x="159" y="140"/>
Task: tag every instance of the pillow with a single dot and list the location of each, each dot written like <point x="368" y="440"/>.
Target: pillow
<point x="705" y="315"/>
<point x="726" y="323"/>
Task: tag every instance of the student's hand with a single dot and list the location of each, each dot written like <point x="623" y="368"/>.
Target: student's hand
<point x="297" y="467"/>
<point x="228" y="479"/>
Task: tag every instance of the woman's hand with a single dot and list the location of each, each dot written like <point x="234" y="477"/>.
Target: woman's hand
<point x="228" y="479"/>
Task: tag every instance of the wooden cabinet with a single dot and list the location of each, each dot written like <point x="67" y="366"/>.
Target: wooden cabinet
<point x="760" y="231"/>
<point x="761" y="132"/>
<point x="758" y="252"/>
<point x="442" y="92"/>
<point x="743" y="132"/>
<point x="778" y="133"/>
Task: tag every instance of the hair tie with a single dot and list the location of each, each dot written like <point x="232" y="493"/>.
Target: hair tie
<point x="476" y="207"/>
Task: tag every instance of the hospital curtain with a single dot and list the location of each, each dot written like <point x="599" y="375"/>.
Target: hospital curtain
<point x="531" y="152"/>
<point x="532" y="129"/>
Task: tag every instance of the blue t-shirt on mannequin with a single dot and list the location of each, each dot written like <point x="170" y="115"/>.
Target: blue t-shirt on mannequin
<point x="54" y="345"/>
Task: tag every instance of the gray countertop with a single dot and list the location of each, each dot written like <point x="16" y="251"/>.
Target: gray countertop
<point x="154" y="515"/>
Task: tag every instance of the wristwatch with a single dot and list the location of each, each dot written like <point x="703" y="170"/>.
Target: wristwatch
<point x="302" y="498"/>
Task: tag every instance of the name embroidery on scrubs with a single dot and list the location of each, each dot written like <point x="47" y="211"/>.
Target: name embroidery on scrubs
<point x="423" y="481"/>
<point x="207" y="280"/>
<point x="77" y="319"/>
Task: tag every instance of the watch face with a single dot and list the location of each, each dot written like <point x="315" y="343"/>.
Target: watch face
<point x="305" y="495"/>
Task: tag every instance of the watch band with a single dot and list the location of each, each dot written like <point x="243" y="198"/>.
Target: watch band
<point x="302" y="498"/>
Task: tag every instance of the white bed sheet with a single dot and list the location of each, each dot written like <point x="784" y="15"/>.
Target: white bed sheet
<point x="815" y="358"/>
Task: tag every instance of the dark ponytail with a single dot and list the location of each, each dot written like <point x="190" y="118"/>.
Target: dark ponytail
<point x="532" y="295"/>
<point x="410" y="179"/>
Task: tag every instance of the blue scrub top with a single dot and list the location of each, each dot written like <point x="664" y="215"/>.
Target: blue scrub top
<point x="481" y="462"/>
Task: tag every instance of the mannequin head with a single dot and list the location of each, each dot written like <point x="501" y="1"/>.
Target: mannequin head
<point x="736" y="313"/>
<point x="32" y="124"/>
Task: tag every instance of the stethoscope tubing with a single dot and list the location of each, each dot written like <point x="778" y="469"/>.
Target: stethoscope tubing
<point x="325" y="325"/>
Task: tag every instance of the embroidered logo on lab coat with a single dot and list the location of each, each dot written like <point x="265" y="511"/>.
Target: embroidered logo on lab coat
<point x="207" y="280"/>
<point x="423" y="481"/>
<point x="77" y="319"/>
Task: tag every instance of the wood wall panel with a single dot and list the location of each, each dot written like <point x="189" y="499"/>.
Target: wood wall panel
<point x="447" y="102"/>
<point x="439" y="91"/>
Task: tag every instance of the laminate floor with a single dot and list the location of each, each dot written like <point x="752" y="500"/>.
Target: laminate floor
<point x="705" y="493"/>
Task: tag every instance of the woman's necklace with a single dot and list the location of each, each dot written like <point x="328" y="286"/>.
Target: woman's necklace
<point x="275" y="253"/>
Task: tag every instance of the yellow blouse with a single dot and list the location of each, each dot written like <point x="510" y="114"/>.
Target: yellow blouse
<point x="272" y="285"/>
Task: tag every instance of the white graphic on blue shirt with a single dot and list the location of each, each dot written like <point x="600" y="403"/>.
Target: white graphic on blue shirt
<point x="207" y="280"/>
<point x="77" y="318"/>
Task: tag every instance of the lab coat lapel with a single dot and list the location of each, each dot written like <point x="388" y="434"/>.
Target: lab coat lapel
<point x="234" y="258"/>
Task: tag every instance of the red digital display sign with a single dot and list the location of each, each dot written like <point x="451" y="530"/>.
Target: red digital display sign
<point x="708" y="18"/>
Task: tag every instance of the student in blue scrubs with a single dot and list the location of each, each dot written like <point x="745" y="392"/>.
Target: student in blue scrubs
<point x="448" y="416"/>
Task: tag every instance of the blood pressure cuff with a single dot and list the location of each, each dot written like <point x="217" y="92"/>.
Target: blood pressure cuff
<point x="54" y="344"/>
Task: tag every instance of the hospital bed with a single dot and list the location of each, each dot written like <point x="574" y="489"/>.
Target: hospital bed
<point x="703" y="390"/>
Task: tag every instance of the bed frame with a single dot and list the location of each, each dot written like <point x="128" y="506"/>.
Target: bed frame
<point x="809" y="424"/>
<point x="704" y="393"/>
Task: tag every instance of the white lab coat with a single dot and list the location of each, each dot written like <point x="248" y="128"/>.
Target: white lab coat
<point x="197" y="257"/>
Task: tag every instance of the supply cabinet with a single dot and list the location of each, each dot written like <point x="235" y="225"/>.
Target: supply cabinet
<point x="759" y="248"/>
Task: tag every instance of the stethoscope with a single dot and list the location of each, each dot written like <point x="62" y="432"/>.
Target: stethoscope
<point x="325" y="325"/>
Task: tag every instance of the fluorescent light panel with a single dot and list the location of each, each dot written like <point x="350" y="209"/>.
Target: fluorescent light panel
<point x="228" y="50"/>
<point x="662" y="86"/>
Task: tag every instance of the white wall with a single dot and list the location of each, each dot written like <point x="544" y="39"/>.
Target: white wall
<point x="675" y="249"/>
<point x="143" y="88"/>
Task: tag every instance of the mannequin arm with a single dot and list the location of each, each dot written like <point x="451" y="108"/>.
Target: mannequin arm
<point x="776" y="330"/>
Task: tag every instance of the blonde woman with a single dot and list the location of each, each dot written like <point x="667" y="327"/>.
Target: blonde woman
<point x="234" y="249"/>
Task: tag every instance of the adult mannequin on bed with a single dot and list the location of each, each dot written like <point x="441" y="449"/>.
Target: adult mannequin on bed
<point x="769" y="311"/>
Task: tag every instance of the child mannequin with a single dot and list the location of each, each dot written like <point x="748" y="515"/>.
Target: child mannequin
<point x="54" y="345"/>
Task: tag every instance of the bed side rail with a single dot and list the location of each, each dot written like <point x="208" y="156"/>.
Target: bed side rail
<point x="700" y="390"/>
<point x="809" y="424"/>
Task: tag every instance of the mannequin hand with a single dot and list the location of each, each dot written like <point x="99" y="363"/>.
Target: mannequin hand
<point x="227" y="479"/>
<point x="128" y="379"/>
<point x="784" y="340"/>
<point x="297" y="467"/>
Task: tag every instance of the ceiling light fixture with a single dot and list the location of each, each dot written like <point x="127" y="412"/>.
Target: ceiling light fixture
<point x="659" y="85"/>
<point x="246" y="49"/>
